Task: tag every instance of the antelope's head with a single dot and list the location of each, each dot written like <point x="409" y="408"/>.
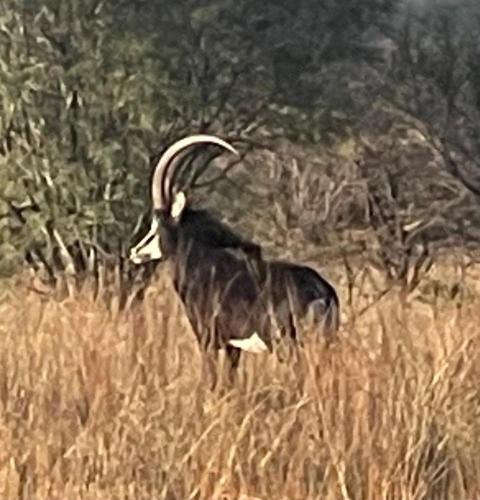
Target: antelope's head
<point x="172" y="179"/>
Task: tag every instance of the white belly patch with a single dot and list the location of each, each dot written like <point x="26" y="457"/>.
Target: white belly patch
<point x="251" y="344"/>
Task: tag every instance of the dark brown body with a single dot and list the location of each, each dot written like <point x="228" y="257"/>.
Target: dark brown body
<point x="227" y="296"/>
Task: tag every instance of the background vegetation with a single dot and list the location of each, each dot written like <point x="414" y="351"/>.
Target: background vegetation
<point x="359" y="122"/>
<point x="359" y="127"/>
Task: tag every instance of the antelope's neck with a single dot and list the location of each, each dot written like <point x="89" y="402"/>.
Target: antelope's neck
<point x="188" y="256"/>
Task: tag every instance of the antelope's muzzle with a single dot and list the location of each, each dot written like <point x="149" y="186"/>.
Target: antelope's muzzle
<point x="148" y="248"/>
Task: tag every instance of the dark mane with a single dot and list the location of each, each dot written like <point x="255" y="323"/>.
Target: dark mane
<point x="207" y="230"/>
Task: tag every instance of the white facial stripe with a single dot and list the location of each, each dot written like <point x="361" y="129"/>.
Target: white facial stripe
<point x="150" y="251"/>
<point x="148" y="248"/>
<point x="251" y="344"/>
<point x="151" y="232"/>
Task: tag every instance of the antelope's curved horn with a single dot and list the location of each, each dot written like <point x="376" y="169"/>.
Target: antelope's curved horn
<point x="169" y="161"/>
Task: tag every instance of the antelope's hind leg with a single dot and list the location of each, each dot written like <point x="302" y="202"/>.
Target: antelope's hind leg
<point x="325" y="318"/>
<point x="219" y="373"/>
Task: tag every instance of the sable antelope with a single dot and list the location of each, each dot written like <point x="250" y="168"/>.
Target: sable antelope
<point x="235" y="302"/>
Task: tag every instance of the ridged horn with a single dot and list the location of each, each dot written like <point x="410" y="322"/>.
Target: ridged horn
<point x="171" y="159"/>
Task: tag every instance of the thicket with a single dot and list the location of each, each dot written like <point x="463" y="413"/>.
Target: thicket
<point x="359" y="120"/>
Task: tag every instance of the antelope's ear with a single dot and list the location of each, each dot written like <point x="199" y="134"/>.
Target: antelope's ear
<point x="178" y="205"/>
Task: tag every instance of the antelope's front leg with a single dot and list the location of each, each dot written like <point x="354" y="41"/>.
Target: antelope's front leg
<point x="210" y="367"/>
<point x="232" y="360"/>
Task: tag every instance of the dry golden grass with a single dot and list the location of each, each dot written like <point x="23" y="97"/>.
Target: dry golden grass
<point x="96" y="405"/>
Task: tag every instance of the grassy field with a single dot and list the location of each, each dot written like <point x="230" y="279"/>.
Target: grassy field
<point x="96" y="405"/>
